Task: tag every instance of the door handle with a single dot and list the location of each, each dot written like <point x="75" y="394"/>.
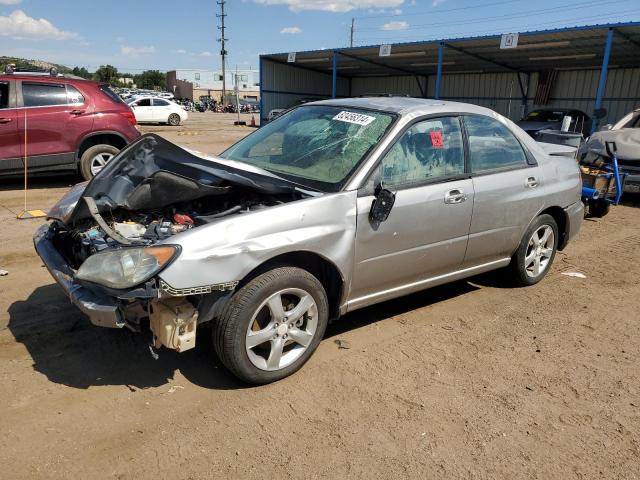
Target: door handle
<point x="532" y="182"/>
<point x="76" y="112"/>
<point x="454" y="196"/>
<point x="6" y="120"/>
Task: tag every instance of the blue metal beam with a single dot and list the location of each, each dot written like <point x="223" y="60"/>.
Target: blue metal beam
<point x="439" y="72"/>
<point x="334" y="74"/>
<point x="262" y="115"/>
<point x="603" y="77"/>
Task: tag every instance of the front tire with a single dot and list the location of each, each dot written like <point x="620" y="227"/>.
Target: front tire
<point x="536" y="252"/>
<point x="174" y="120"/>
<point x="95" y="158"/>
<point x="272" y="325"/>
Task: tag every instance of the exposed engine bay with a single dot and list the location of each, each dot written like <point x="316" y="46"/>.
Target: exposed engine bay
<point x="149" y="226"/>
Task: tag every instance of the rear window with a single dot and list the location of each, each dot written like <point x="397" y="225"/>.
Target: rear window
<point x="106" y="89"/>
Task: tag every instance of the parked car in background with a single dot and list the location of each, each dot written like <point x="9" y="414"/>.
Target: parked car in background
<point x="158" y="110"/>
<point x="625" y="133"/>
<point x="334" y="206"/>
<point x="71" y="124"/>
<point x="551" y="119"/>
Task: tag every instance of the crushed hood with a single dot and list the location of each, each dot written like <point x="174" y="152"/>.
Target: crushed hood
<point x="154" y="173"/>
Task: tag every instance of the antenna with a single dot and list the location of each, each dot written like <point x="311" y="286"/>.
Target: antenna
<point x="223" y="52"/>
<point x="353" y="21"/>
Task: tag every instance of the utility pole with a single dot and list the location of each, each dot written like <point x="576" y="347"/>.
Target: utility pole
<point x="223" y="52"/>
<point x="353" y="21"/>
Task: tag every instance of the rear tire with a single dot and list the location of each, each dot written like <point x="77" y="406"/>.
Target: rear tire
<point x="536" y="252"/>
<point x="95" y="158"/>
<point x="174" y="120"/>
<point x="272" y="325"/>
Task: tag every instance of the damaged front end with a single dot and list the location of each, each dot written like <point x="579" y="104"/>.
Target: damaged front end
<point x="109" y="239"/>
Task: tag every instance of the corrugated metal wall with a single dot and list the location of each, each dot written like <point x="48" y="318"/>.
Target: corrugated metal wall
<point x="498" y="91"/>
<point x="283" y="85"/>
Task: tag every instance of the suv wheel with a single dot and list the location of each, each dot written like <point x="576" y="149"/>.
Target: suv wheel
<point x="536" y="252"/>
<point x="174" y="120"/>
<point x="272" y="325"/>
<point x="95" y="158"/>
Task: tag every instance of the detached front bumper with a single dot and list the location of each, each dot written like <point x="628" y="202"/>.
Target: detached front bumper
<point x="102" y="310"/>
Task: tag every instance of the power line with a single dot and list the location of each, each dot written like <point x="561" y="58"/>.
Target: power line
<point x="509" y="16"/>
<point x="603" y="19"/>
<point x="447" y="11"/>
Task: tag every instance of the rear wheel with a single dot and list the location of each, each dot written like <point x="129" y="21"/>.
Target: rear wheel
<point x="174" y="120"/>
<point x="272" y="325"/>
<point x="95" y="158"/>
<point x="536" y="252"/>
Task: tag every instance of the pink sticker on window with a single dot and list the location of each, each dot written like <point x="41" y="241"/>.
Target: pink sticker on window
<point x="436" y="139"/>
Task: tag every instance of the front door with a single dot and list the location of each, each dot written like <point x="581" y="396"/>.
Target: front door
<point x="427" y="230"/>
<point x="507" y="184"/>
<point x="143" y="110"/>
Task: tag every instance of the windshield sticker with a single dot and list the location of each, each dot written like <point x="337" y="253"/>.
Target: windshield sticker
<point x="357" y="118"/>
<point x="436" y="139"/>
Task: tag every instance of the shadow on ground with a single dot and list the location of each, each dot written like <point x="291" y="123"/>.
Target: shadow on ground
<point x="69" y="350"/>
<point x="37" y="182"/>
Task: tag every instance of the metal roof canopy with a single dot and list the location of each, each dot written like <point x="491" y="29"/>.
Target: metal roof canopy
<point x="572" y="48"/>
<point x="603" y="46"/>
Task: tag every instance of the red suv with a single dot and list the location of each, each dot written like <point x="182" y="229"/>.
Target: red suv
<point x="71" y="124"/>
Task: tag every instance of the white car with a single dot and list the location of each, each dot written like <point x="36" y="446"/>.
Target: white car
<point x="158" y="110"/>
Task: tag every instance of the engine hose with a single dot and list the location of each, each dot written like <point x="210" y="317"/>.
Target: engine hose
<point x="224" y="213"/>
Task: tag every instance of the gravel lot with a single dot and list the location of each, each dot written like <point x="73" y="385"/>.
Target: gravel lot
<point x="470" y="380"/>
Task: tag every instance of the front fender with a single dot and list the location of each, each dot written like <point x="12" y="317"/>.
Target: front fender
<point x="226" y="251"/>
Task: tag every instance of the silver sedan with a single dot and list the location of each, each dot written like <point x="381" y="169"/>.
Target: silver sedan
<point x="331" y="207"/>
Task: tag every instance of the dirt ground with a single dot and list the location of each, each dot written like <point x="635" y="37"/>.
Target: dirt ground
<point x="470" y="380"/>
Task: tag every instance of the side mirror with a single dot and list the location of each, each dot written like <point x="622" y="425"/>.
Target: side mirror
<point x="600" y="113"/>
<point x="382" y="205"/>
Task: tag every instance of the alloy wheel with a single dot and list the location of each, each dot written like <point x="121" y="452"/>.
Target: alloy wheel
<point x="281" y="329"/>
<point x="99" y="161"/>
<point x="539" y="251"/>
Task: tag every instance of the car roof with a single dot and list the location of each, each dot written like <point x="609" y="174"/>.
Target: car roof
<point x="405" y="105"/>
<point x="45" y="77"/>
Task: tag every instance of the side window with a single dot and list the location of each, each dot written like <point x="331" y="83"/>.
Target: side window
<point x="145" y="102"/>
<point x="429" y="149"/>
<point x="4" y="94"/>
<point x="492" y="145"/>
<point x="159" y="103"/>
<point x="43" y="94"/>
<point x="74" y="97"/>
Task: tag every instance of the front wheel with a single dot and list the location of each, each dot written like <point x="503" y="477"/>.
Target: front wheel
<point x="536" y="252"/>
<point x="174" y="120"/>
<point x="272" y="325"/>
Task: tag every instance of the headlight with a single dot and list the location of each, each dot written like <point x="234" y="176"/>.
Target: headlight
<point x="126" y="267"/>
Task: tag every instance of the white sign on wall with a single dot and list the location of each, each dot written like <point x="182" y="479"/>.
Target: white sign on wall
<point x="509" y="40"/>
<point x="385" y="51"/>
<point x="292" y="57"/>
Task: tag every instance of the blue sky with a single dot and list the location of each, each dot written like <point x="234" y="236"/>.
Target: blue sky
<point x="135" y="35"/>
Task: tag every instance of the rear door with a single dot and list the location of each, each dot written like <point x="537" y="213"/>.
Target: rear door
<point x="427" y="230"/>
<point x="507" y="184"/>
<point x="161" y="110"/>
<point x="56" y="116"/>
<point x="10" y="144"/>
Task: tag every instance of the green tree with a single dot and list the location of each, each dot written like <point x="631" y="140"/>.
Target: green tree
<point x="81" y="72"/>
<point x="108" y="74"/>
<point x="150" y="79"/>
